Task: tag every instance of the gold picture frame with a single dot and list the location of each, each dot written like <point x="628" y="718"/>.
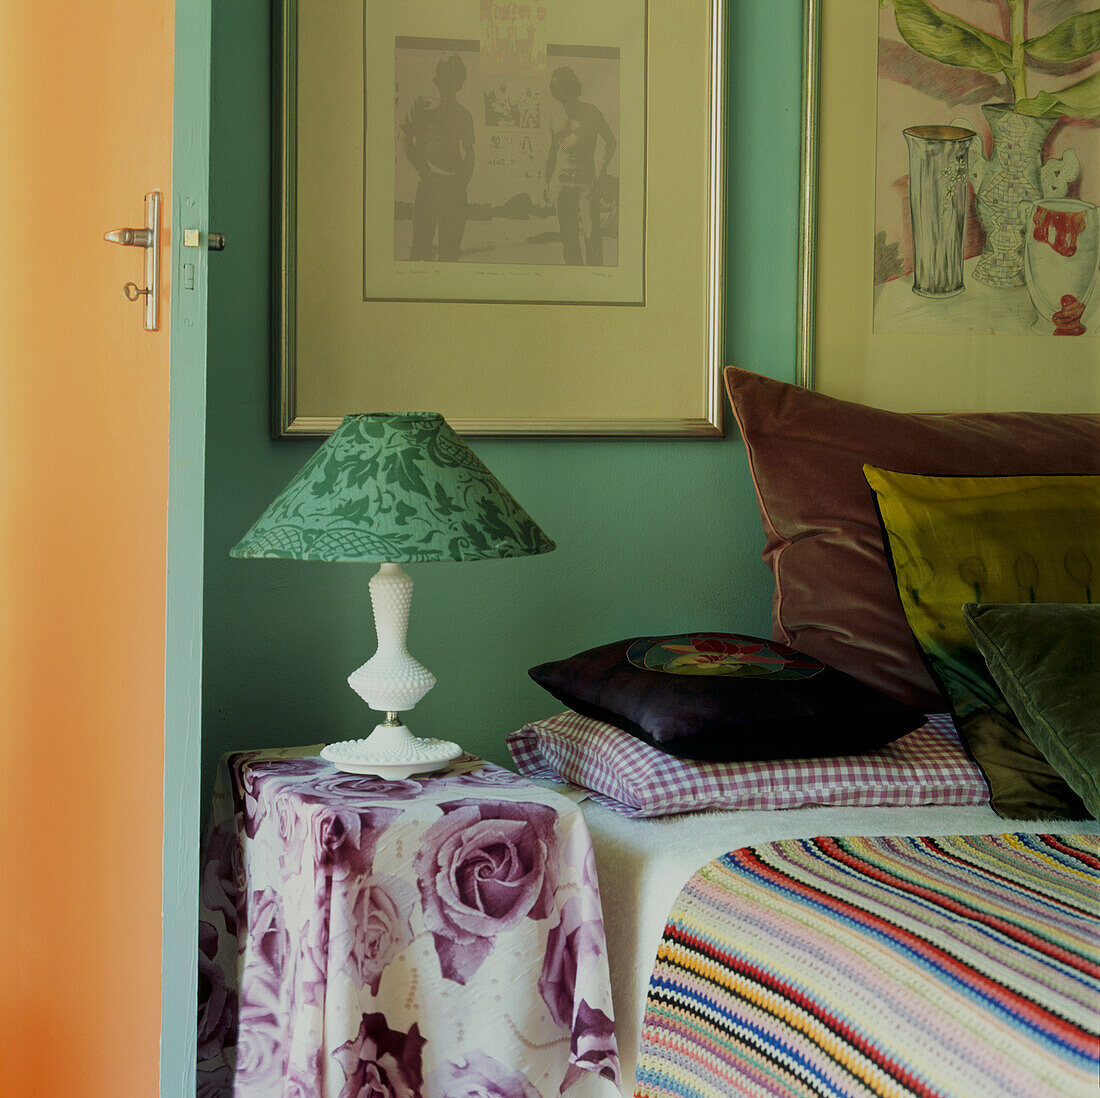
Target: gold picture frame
<point x="858" y="98"/>
<point x="510" y="335"/>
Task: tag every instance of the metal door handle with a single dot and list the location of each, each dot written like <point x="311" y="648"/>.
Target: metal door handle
<point x="134" y="238"/>
<point x="149" y="239"/>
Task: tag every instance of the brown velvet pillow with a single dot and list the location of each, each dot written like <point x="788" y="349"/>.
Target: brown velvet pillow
<point x="834" y="596"/>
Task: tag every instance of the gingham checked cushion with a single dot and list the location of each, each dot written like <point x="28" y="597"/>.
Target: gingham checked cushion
<point x="928" y="766"/>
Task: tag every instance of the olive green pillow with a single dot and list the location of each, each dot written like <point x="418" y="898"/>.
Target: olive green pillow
<point x="955" y="540"/>
<point x="1045" y="658"/>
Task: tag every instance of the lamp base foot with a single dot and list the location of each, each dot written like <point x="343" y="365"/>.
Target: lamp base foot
<point x="391" y="751"/>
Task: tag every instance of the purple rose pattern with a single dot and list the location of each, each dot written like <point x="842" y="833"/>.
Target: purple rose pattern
<point x="340" y="842"/>
<point x="381" y="1062"/>
<point x="588" y="874"/>
<point x="482" y="868"/>
<point x="217" y="1002"/>
<point x="258" y="777"/>
<point x="358" y="788"/>
<point x="374" y="927"/>
<point x="222" y="872"/>
<point x="487" y="774"/>
<point x="575" y="942"/>
<point x="290" y="827"/>
<point x="302" y="1080"/>
<point x="311" y="961"/>
<point x="214" y="1082"/>
<point x="261" y="986"/>
<point x="478" y="1075"/>
<point x="335" y="842"/>
<point x="592" y="1047"/>
<point x="251" y="774"/>
<point x="261" y="1057"/>
<point x="288" y="966"/>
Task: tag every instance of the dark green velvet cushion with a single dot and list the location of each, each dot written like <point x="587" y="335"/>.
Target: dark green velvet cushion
<point x="1045" y="657"/>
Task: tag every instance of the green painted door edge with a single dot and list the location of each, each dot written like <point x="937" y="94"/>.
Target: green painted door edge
<point x="186" y="462"/>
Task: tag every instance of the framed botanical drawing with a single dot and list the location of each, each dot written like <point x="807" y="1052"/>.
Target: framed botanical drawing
<point x="507" y="212"/>
<point x="950" y="230"/>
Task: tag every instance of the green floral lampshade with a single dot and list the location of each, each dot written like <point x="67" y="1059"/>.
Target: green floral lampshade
<point x="394" y="487"/>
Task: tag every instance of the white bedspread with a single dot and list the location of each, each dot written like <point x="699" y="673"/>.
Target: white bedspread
<point x="643" y="864"/>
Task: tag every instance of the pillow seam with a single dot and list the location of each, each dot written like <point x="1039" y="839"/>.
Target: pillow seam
<point x="769" y="526"/>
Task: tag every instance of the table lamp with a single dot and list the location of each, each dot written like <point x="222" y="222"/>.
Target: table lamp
<point x="390" y="489"/>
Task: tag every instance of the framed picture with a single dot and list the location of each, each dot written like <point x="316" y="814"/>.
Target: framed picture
<point x="949" y="222"/>
<point x="507" y="212"/>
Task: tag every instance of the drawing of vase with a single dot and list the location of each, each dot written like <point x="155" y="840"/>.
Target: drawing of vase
<point x="1060" y="263"/>
<point x="1008" y="185"/>
<point x="937" y="206"/>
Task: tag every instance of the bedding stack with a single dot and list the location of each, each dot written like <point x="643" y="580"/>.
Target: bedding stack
<point x="881" y="526"/>
<point x="628" y="777"/>
<point x="930" y="697"/>
<point x="892" y="538"/>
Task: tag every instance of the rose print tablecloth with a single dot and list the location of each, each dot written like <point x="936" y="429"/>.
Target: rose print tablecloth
<point x="435" y="936"/>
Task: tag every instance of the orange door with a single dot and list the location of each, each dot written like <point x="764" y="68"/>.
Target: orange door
<point x="85" y="131"/>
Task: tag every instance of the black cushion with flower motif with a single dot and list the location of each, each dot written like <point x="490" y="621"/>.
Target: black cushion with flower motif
<point x="726" y="697"/>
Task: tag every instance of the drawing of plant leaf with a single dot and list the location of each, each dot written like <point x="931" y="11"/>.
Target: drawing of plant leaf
<point x="1072" y="39"/>
<point x="1080" y="100"/>
<point x="949" y="39"/>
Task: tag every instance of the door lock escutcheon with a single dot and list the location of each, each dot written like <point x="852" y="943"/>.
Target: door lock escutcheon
<point x="149" y="239"/>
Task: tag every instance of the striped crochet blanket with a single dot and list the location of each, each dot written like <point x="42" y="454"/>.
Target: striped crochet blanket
<point x="954" y="967"/>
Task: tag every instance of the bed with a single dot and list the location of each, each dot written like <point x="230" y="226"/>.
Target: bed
<point x="874" y="907"/>
<point x="645" y="863"/>
<point x="913" y="965"/>
<point x="644" y="868"/>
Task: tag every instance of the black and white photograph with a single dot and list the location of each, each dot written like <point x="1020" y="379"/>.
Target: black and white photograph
<point x="506" y="161"/>
<point x="505" y="167"/>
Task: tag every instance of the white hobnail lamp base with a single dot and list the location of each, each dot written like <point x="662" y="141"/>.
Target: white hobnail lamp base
<point x="391" y="751"/>
<point x="392" y="682"/>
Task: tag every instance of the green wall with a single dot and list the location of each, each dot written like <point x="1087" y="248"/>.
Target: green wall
<point x="652" y="535"/>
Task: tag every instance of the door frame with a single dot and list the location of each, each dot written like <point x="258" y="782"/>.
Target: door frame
<point x="183" y="609"/>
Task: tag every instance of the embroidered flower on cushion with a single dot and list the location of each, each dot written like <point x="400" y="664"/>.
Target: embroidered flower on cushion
<point x="710" y="650"/>
<point x="721" y="654"/>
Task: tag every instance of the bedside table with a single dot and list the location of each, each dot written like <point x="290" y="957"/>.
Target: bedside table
<point x="433" y="936"/>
